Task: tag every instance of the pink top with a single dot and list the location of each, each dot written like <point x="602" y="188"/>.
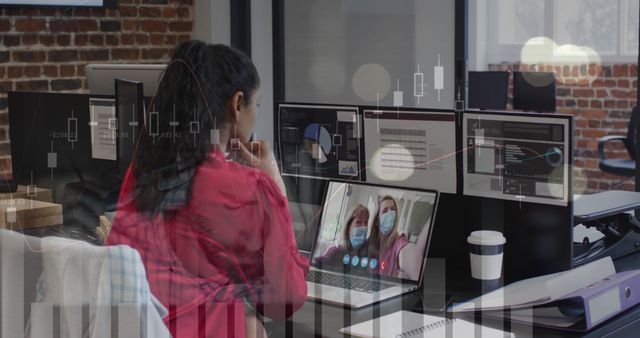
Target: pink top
<point x="390" y="260"/>
<point x="233" y="242"/>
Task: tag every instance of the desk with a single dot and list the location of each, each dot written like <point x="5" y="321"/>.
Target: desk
<point x="322" y="320"/>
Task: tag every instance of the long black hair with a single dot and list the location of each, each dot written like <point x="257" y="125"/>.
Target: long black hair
<point x="190" y="101"/>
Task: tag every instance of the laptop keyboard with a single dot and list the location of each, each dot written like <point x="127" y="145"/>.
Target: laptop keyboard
<point x="346" y="282"/>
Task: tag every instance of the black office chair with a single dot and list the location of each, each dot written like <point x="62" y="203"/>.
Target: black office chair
<point x="621" y="167"/>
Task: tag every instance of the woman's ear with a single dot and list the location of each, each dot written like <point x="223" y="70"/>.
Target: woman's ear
<point x="235" y="106"/>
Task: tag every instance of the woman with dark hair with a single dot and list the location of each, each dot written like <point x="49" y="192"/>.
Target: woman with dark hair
<point x="205" y="207"/>
<point x="353" y="240"/>
<point x="397" y="256"/>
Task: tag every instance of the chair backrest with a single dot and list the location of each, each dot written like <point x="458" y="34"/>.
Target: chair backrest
<point x="631" y="133"/>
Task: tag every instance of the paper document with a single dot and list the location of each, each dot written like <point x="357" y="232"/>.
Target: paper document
<point x="103" y="128"/>
<point x="405" y="324"/>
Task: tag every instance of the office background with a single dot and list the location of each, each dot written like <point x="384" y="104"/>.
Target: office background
<point x="45" y="49"/>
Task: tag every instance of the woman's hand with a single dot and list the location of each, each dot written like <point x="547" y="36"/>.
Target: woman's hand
<point x="258" y="154"/>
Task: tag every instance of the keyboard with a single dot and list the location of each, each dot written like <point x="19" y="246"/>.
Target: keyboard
<point x="346" y="282"/>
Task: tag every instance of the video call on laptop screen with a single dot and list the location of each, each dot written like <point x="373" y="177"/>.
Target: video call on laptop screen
<point x="374" y="230"/>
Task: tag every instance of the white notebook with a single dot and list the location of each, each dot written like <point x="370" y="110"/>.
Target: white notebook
<point x="405" y="324"/>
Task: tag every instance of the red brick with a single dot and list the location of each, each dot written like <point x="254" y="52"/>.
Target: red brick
<point x="81" y="12"/>
<point x="47" y="40"/>
<point x="127" y="39"/>
<point x="63" y="55"/>
<point x="153" y="26"/>
<point x="620" y="94"/>
<point x="596" y="104"/>
<point x="142" y="39"/>
<point x="2" y="71"/>
<point x="111" y="40"/>
<point x="87" y="25"/>
<point x="81" y="40"/>
<point x="609" y="104"/>
<point x="581" y="123"/>
<point x="58" y="25"/>
<point x="583" y="93"/>
<point x="80" y="70"/>
<point x="63" y="40"/>
<point x="14" y="72"/>
<point x="32" y="71"/>
<point x="156" y="39"/>
<point x="184" y="12"/>
<point x="11" y="40"/>
<point x="5" y="25"/>
<point x="67" y="71"/>
<point x="622" y="104"/>
<point x="98" y="12"/>
<point x="583" y="103"/>
<point x="593" y="123"/>
<point x="600" y="93"/>
<point x="29" y="39"/>
<point x="29" y="56"/>
<point x="633" y="70"/>
<point x="168" y="12"/>
<point x="96" y="39"/>
<point x="155" y="53"/>
<point x="620" y="70"/>
<point x="150" y="12"/>
<point x="181" y="26"/>
<point x="50" y="71"/>
<point x="623" y="83"/>
<point x="128" y="10"/>
<point x="594" y="114"/>
<point x="6" y="86"/>
<point x="30" y="25"/>
<point x="125" y="54"/>
<point x="129" y="25"/>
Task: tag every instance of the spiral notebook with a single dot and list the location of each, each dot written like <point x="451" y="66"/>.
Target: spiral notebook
<point x="405" y="324"/>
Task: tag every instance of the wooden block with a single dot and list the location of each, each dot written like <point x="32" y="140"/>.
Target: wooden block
<point x="23" y="213"/>
<point x="37" y="193"/>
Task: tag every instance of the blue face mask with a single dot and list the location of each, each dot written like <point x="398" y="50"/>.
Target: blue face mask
<point x="387" y="221"/>
<point x="357" y="236"/>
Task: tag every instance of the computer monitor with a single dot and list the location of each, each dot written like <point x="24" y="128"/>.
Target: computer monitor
<point x="129" y="113"/>
<point x="319" y="141"/>
<point x="518" y="157"/>
<point x="411" y="148"/>
<point x="100" y="77"/>
<point x="488" y="89"/>
<point x="51" y="142"/>
<point x="534" y="91"/>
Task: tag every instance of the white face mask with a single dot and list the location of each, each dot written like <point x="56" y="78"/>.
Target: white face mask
<point x="387" y="221"/>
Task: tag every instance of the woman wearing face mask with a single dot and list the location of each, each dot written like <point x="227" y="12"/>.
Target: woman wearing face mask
<point x="353" y="241"/>
<point x="207" y="210"/>
<point x="397" y="256"/>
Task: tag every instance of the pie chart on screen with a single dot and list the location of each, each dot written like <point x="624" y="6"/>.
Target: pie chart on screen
<point x="320" y="141"/>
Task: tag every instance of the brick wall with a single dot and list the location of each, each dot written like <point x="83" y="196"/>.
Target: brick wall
<point x="601" y="98"/>
<point x="46" y="49"/>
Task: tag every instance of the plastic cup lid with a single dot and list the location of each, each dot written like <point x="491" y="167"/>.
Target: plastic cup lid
<point x="486" y="237"/>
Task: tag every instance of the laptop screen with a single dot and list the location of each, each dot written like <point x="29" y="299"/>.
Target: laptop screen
<point x="374" y="230"/>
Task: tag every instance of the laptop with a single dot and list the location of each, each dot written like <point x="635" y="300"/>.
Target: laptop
<point x="360" y="275"/>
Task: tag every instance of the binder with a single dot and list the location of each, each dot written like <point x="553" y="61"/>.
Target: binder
<point x="588" y="307"/>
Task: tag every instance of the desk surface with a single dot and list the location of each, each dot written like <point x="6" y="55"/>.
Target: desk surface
<point x="322" y="320"/>
<point x="325" y="320"/>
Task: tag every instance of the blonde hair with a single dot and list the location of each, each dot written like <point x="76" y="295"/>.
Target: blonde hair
<point x="375" y="247"/>
<point x="357" y="210"/>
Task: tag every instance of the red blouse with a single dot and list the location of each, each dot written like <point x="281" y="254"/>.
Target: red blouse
<point x="233" y="243"/>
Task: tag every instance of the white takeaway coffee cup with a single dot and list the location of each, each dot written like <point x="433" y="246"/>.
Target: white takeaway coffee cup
<point x="485" y="251"/>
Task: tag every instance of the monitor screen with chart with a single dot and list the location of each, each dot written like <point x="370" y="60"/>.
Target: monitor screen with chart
<point x="411" y="148"/>
<point x="319" y="141"/>
<point x="519" y="157"/>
